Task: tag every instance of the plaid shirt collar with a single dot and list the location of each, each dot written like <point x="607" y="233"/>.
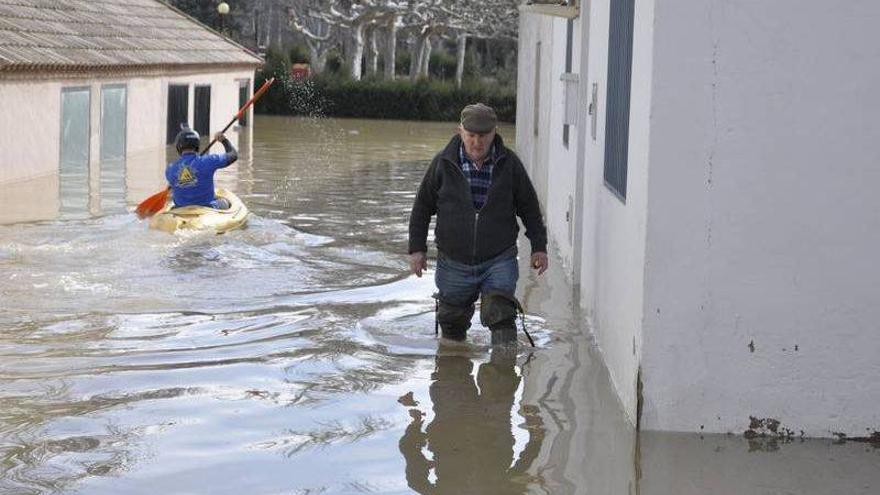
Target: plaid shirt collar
<point x="467" y="165"/>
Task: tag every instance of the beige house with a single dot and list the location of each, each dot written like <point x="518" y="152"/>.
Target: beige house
<point x="93" y="92"/>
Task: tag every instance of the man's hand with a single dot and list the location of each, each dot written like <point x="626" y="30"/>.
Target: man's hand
<point x="540" y="262"/>
<point x="219" y="136"/>
<point x="417" y="262"/>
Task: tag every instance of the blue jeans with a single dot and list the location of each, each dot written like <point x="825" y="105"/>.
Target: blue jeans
<point x="460" y="284"/>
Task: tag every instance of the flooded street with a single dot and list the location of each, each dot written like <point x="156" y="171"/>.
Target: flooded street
<point x="298" y="356"/>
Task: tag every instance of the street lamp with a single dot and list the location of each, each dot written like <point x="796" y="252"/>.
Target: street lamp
<point x="222" y="9"/>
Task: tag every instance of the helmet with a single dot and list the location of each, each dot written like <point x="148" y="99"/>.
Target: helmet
<point x="187" y="139"/>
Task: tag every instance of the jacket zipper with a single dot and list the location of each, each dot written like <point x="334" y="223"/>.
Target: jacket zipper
<point x="476" y="213"/>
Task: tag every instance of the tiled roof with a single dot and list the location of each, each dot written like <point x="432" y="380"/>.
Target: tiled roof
<point x="84" y="34"/>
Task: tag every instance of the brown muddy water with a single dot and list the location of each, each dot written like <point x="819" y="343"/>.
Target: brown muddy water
<point x="299" y="357"/>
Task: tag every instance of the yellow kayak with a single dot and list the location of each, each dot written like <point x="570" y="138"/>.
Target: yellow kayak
<point x="170" y="219"/>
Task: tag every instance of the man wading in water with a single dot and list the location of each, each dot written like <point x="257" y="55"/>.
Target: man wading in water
<point x="476" y="187"/>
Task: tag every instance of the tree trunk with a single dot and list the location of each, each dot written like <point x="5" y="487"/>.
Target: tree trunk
<point x="372" y="53"/>
<point x="424" y="70"/>
<point x="268" y="29"/>
<point x="459" y="65"/>
<point x="356" y="52"/>
<point x="390" y="54"/>
<point x="317" y="57"/>
<point x="415" y="60"/>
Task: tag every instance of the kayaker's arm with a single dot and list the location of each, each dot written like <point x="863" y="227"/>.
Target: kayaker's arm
<point x="231" y="152"/>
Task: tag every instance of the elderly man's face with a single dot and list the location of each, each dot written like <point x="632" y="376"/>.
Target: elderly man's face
<point x="476" y="145"/>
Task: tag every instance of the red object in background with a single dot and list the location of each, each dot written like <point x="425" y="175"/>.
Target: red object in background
<point x="300" y="71"/>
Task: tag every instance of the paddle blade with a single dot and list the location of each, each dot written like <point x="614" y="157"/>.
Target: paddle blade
<point x="153" y="204"/>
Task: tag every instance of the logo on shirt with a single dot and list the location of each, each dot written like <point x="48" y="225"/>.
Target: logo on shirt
<point x="186" y="177"/>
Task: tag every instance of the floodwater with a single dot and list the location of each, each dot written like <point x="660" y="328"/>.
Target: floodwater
<point x="299" y="357"/>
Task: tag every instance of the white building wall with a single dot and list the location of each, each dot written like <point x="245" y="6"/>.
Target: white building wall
<point x="612" y="256"/>
<point x="561" y="161"/>
<point x="613" y="253"/>
<point x="761" y="294"/>
<point x="29" y="144"/>
<point x="534" y="65"/>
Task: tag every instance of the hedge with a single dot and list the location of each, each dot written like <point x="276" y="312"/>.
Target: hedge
<point x="330" y="96"/>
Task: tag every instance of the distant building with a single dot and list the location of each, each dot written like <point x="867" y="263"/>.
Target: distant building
<point x="92" y="92"/>
<point x="709" y="170"/>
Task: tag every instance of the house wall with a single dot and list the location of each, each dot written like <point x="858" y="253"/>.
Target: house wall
<point x="613" y="251"/>
<point x="761" y="290"/>
<point x="561" y="161"/>
<point x="532" y="147"/>
<point x="29" y="144"/>
<point x="610" y="258"/>
<point x="30" y="141"/>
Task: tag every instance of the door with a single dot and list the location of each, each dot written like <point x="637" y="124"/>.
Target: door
<point x="113" y="129"/>
<point x="202" y="118"/>
<point x="74" y="161"/>
<point x="178" y="110"/>
<point x="244" y="92"/>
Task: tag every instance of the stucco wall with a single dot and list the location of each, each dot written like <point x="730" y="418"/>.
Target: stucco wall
<point x="612" y="253"/>
<point x="612" y="269"/>
<point x="761" y="294"/>
<point x="561" y="161"/>
<point x="532" y="148"/>
<point x="29" y="144"/>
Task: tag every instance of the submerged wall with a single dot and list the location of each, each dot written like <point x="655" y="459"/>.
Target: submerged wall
<point x="607" y="264"/>
<point x="761" y="293"/>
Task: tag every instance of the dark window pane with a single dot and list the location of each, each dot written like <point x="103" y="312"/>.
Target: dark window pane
<point x="202" y="119"/>
<point x="178" y="109"/>
<point x="619" y="81"/>
<point x="244" y="94"/>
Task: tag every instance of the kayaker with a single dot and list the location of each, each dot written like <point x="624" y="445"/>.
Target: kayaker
<point x="477" y="187"/>
<point x="191" y="177"/>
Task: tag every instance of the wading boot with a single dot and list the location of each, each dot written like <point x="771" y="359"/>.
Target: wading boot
<point x="498" y="312"/>
<point x="454" y="320"/>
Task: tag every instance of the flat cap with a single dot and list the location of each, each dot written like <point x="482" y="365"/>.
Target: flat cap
<point x="479" y="118"/>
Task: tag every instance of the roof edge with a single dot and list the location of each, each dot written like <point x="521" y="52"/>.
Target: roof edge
<point x="21" y="71"/>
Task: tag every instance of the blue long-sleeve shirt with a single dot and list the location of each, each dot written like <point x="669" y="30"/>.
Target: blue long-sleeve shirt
<point x="191" y="177"/>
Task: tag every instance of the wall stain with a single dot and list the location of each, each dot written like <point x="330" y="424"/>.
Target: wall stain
<point x="767" y="434"/>
<point x="752" y="346"/>
<point x="872" y="438"/>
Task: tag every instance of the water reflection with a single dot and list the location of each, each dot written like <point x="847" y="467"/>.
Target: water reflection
<point x="469" y="441"/>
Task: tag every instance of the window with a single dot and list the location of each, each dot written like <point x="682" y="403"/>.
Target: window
<point x="244" y="94"/>
<point x="113" y="129"/>
<point x="619" y="83"/>
<point x="113" y="122"/>
<point x="75" y="141"/>
<point x="178" y="109"/>
<point x="202" y="117"/>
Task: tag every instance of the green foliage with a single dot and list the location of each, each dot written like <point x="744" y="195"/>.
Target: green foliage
<point x="276" y="99"/>
<point x="377" y="99"/>
<point x="443" y="65"/>
<point x="205" y="11"/>
<point x="335" y="62"/>
<point x="299" y="54"/>
<point x="402" y="61"/>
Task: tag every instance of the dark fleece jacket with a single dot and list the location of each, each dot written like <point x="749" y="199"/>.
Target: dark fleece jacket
<point x="462" y="233"/>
